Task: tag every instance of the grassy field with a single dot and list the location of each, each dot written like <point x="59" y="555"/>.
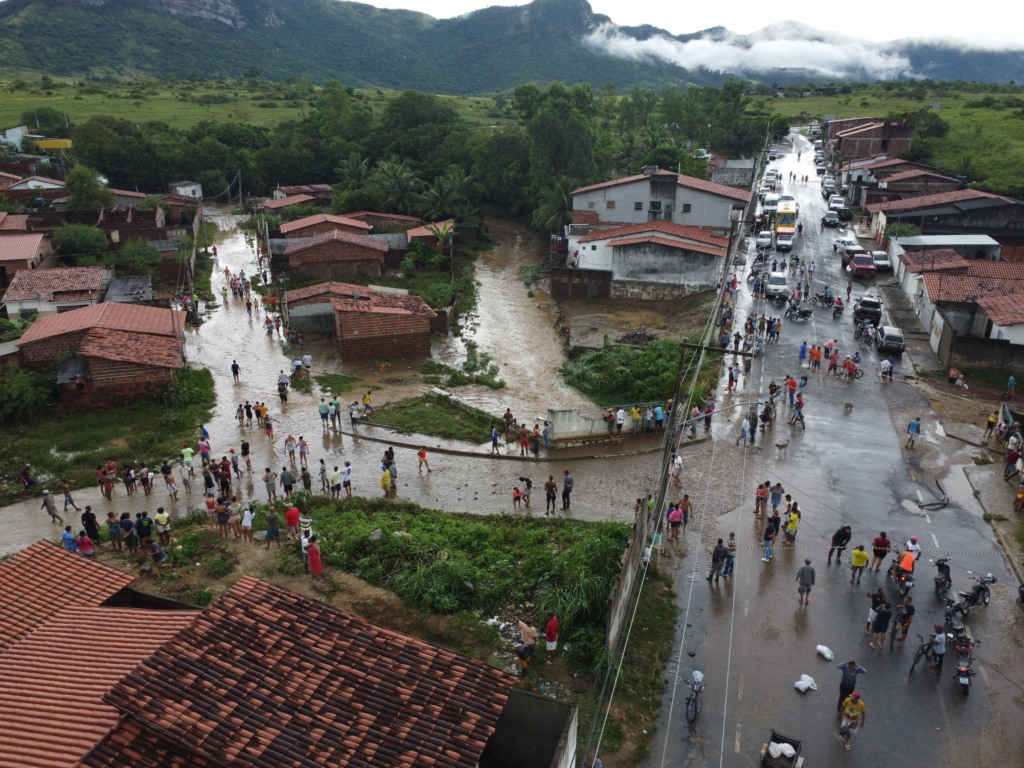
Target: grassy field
<point x="183" y="105"/>
<point x="437" y="415"/>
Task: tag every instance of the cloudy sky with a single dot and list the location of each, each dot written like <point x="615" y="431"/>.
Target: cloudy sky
<point x="902" y="19"/>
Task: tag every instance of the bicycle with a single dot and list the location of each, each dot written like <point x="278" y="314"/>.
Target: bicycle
<point x="897" y="623"/>
<point x="695" y="701"/>
<point x="925" y="650"/>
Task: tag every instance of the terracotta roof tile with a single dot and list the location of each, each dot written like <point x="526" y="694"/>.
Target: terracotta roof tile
<point x="929" y="201"/>
<point x="42" y="284"/>
<point x="371" y="214"/>
<point x="132" y="745"/>
<point x="112" y="315"/>
<point x="966" y="289"/>
<point x="42" y="579"/>
<point x="664" y="227"/>
<point x="137" y="347"/>
<point x="324" y="218"/>
<point x="40" y="180"/>
<point x="284" y="202"/>
<point x="20" y="247"/>
<point x="345" y="237"/>
<point x="51" y="702"/>
<point x="345" y="297"/>
<point x="267" y="678"/>
<point x="307" y="189"/>
<point x="11" y="176"/>
<point x="671" y="244"/>
<point x="11" y="223"/>
<point x="127" y="193"/>
<point x="703" y="185"/>
<point x="916" y="173"/>
<point x="424" y="231"/>
<point x="1003" y="310"/>
<point x="933" y="260"/>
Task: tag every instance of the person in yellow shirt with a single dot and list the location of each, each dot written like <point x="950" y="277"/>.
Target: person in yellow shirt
<point x="853" y="714"/>
<point x="859" y="556"/>
<point x="385" y="481"/>
<point x="163" y="526"/>
<point x="634" y="414"/>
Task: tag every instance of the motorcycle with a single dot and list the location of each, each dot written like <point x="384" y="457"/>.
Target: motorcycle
<point x="964" y="661"/>
<point x="943" y="581"/>
<point x="824" y="299"/>
<point x="977" y="595"/>
<point x="795" y="312"/>
<point x="954" y="610"/>
<point x="837" y="308"/>
<point x="862" y="329"/>
<point x="904" y="579"/>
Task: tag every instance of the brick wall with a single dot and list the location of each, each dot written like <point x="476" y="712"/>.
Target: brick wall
<point x="323" y="227"/>
<point x="366" y="336"/>
<point x="336" y="260"/>
<point x="40" y="354"/>
<point x="113" y="384"/>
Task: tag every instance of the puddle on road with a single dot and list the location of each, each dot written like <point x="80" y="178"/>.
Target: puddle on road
<point x="959" y="490"/>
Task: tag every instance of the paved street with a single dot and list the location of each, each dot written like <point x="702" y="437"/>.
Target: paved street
<point x="749" y="636"/>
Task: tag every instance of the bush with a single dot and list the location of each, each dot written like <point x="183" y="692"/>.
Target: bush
<point x="24" y="393"/>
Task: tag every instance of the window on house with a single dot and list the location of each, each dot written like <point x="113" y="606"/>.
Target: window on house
<point x="885" y="144"/>
<point x="593" y="247"/>
<point x="592" y="206"/>
<point x="687" y="208"/>
<point x="610" y="205"/>
<point x="655" y="205"/>
<point x="638" y="206"/>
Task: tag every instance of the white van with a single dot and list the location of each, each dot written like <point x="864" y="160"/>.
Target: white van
<point x="771" y="203"/>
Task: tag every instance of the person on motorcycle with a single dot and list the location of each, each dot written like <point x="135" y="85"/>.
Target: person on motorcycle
<point x="905" y="565"/>
<point x="826" y="295"/>
<point x="913" y="546"/>
<point x="838" y="304"/>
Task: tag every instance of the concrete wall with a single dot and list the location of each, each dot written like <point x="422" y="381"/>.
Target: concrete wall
<point x="312" y="318"/>
<point x="996" y="355"/>
<point x="567" y="283"/>
<point x="668" y="268"/>
<point x="618" y="204"/>
<point x="1011" y="333"/>
<point x="577" y="424"/>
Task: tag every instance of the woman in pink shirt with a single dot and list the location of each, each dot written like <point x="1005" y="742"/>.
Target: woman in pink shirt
<point x="84" y="544"/>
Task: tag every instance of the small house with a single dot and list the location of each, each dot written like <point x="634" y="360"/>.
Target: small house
<point x="324" y="222"/>
<point x="60" y="289"/>
<point x="190" y="189"/>
<point x="18" y="252"/>
<point x="336" y="254"/>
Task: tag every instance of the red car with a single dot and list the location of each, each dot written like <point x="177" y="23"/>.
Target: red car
<point x="862" y="265"/>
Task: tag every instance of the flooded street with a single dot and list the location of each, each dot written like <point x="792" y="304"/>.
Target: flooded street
<point x="517" y="331"/>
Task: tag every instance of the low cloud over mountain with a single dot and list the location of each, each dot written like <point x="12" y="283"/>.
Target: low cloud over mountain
<point x="784" y="46"/>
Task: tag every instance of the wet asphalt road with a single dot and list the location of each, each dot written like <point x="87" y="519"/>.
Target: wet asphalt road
<point x="748" y="635"/>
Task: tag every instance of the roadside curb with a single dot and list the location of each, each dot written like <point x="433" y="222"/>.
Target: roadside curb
<point x="1004" y="544"/>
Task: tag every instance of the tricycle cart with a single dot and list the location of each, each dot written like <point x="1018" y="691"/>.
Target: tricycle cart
<point x="796" y="761"/>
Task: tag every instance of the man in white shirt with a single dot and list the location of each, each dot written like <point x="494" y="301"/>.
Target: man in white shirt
<point x="620" y="417"/>
<point x="914" y="547"/>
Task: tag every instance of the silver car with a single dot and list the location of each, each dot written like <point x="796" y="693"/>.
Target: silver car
<point x="881" y="259"/>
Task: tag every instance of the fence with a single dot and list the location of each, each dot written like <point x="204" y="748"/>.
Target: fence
<point x="569" y="283"/>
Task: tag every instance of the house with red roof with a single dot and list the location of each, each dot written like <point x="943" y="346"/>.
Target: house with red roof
<point x="49" y="291"/>
<point x="10" y="222"/>
<point x="279" y="203"/>
<point x="386" y="222"/>
<point x="24" y="251"/>
<point x="112" y="353"/>
<point x="368" y="323"/>
<point x="336" y="254"/>
<point x="868" y="138"/>
<point x="959" y="212"/>
<point x="321" y="193"/>
<point x="261" y="678"/>
<point x="6" y="179"/>
<point x="657" y="195"/>
<point x="324" y="222"/>
<point x="653" y="260"/>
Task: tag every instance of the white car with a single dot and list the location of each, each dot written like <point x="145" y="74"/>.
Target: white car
<point x="844" y="241"/>
<point x="784" y="242"/>
<point x="777" y="285"/>
<point x="882" y="262"/>
<point x="836" y="202"/>
<point x="764" y="239"/>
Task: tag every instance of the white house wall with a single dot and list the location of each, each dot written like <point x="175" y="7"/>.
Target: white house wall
<point x="706" y="210"/>
<point x="1012" y="333"/>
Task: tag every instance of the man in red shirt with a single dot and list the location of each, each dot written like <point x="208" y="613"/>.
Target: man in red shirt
<point x="291" y="519"/>
<point x="551" y="637"/>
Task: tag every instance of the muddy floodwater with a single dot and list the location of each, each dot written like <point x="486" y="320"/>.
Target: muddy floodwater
<point x="516" y="330"/>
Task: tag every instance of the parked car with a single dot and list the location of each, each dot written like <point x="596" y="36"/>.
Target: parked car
<point x="868" y="308"/>
<point x="820" y="170"/>
<point x="843" y="241"/>
<point x="773" y="155"/>
<point x="764" y="239"/>
<point x="861" y="264"/>
<point x="777" y="285"/>
<point x="830" y="219"/>
<point x="890" y="339"/>
<point x="881" y="259"/>
<point x="845" y="214"/>
<point x="784" y="242"/>
<point x="835" y="202"/>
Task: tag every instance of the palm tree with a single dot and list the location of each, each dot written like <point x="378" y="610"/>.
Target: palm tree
<point x="13" y="329"/>
<point x="397" y="183"/>
<point x="353" y="172"/>
<point x="555" y="208"/>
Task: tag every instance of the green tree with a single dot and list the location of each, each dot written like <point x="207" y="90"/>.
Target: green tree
<point x="86" y="191"/>
<point x="47" y="121"/>
<point x="24" y="393"/>
<point x="397" y="184"/>
<point x="554" y="210"/>
<point x="75" y="241"/>
<point x="136" y="257"/>
<point x="901" y="229"/>
<point x="352" y="172"/>
<point x="561" y="144"/>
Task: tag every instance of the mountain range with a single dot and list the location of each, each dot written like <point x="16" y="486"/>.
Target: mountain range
<point x="487" y="51"/>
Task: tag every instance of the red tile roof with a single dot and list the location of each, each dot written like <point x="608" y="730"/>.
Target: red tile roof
<point x="284" y="202"/>
<point x="1003" y="310"/>
<point x="20" y="247"/>
<point x="42" y="284"/>
<point x="684" y="181"/>
<point x="11" y="223"/>
<point x="122" y="317"/>
<point x="38" y="180"/>
<point x="671" y="244"/>
<point x="858" y="129"/>
<point x="966" y="289"/>
<point x="324" y="218"/>
<point x="266" y="678"/>
<point x="42" y="579"/>
<point x="336" y="234"/>
<point x="307" y="189"/>
<point x="132" y="745"/>
<point x="915" y="173"/>
<point x="161" y="351"/>
<point x="127" y="193"/>
<point x="51" y="702"/>
<point x="11" y="176"/>
<point x="665" y="227"/>
<point x="929" y="201"/>
<point x="371" y="214"/>
<point x="424" y="231"/>
<point x="934" y="260"/>
<point x="343" y="297"/>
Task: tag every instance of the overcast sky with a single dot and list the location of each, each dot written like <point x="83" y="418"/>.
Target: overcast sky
<point x="901" y="19"/>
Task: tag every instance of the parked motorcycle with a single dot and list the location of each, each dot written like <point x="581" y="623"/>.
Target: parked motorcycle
<point x="964" y="647"/>
<point x="953" y="616"/>
<point x="796" y="312"/>
<point x="977" y="595"/>
<point x="943" y="581"/>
